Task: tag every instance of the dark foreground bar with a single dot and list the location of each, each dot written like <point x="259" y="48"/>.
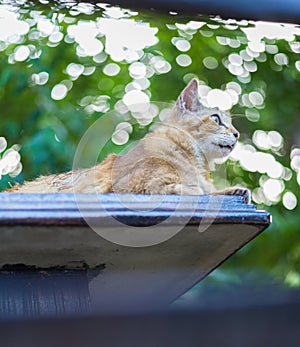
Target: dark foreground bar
<point x="258" y="326"/>
<point x="271" y="10"/>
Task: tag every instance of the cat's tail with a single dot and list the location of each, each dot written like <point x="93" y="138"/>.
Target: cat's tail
<point x="12" y="189"/>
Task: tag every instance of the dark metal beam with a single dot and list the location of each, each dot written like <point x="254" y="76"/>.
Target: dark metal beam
<point x="269" y="10"/>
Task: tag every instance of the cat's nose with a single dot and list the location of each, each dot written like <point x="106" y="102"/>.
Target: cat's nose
<point x="236" y="135"/>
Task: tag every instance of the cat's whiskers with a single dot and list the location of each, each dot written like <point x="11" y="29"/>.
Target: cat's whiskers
<point x="238" y="115"/>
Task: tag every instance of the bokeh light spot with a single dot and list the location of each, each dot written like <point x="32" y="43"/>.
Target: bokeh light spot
<point x="59" y="92"/>
<point x="289" y="200"/>
<point x="219" y="98"/>
<point x="210" y="63"/>
<point x="21" y="53"/>
<point x="111" y="69"/>
<point x="184" y="60"/>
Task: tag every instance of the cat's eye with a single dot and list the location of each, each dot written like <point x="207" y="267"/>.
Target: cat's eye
<point x="216" y="118"/>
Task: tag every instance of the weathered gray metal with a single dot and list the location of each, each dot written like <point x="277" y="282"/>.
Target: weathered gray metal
<point x="48" y="231"/>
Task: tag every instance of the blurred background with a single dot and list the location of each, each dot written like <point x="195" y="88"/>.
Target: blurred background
<point x="64" y="66"/>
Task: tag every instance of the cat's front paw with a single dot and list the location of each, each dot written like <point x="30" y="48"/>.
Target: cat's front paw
<point x="243" y="192"/>
<point x="183" y="189"/>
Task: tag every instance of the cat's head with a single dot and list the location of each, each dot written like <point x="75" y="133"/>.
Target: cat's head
<point x="211" y="128"/>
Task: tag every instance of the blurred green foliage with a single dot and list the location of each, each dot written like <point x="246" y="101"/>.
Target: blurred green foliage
<point x="256" y="65"/>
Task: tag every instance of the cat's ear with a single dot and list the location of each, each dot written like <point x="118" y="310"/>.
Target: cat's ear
<point x="189" y="99"/>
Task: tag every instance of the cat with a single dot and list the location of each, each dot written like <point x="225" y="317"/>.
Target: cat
<point x="174" y="158"/>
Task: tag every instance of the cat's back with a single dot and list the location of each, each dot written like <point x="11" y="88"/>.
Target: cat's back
<point x="90" y="180"/>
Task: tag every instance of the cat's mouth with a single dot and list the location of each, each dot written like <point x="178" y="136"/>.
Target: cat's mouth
<point x="226" y="146"/>
<point x="229" y="147"/>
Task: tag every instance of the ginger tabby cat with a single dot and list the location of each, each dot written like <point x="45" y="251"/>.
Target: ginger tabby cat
<point x="174" y="158"/>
